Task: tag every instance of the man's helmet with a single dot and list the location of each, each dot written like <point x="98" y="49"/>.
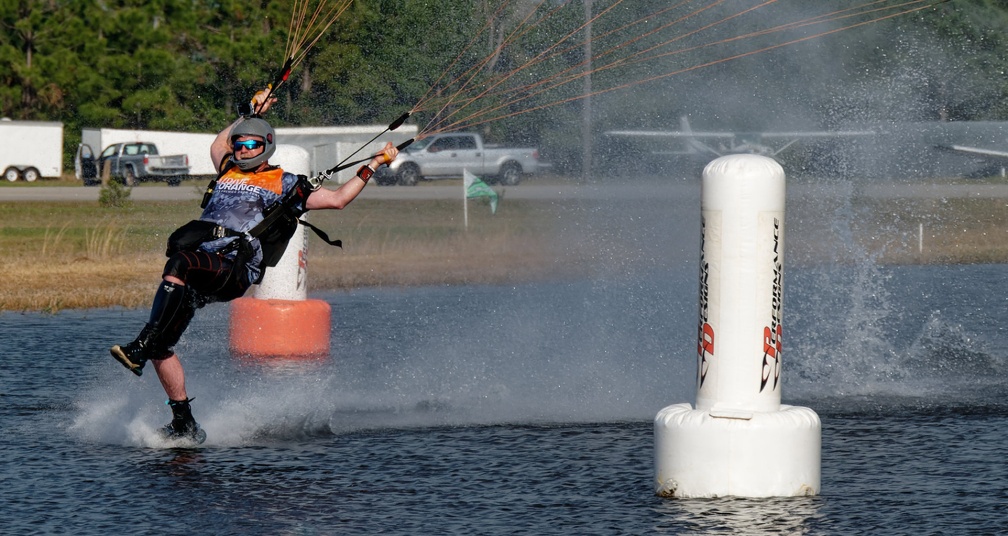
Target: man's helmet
<point x="254" y="126"/>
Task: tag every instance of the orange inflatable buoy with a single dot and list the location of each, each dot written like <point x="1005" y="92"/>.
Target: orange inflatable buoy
<point x="280" y="328"/>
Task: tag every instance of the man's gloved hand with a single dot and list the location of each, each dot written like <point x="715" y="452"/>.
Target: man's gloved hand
<point x="263" y="100"/>
<point x="258" y="104"/>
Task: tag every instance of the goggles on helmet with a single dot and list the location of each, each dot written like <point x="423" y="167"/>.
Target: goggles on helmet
<point x="248" y="144"/>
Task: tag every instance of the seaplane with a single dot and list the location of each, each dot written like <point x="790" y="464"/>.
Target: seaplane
<point x="714" y="143"/>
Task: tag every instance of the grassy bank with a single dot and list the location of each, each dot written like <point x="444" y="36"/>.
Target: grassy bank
<point x="79" y="255"/>
<point x="899" y="231"/>
<point x="76" y="255"/>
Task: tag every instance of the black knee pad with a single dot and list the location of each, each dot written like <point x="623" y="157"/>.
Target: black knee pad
<point x="172" y="332"/>
<point x="177" y="266"/>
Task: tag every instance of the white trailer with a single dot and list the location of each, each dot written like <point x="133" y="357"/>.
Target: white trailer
<point x="327" y="146"/>
<point x="31" y="149"/>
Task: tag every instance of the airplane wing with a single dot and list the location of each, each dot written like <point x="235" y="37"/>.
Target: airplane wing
<point x="669" y="134"/>
<point x="685" y="131"/>
<point x="975" y="151"/>
<point x="692" y="142"/>
<point x="819" y="134"/>
<point x="794" y="137"/>
<point x="721" y="143"/>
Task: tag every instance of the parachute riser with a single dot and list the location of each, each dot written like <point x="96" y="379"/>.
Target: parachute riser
<point x="328" y="174"/>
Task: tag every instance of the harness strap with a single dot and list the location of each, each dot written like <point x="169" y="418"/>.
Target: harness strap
<point x="286" y="207"/>
<point x="208" y="193"/>
<point x="321" y="234"/>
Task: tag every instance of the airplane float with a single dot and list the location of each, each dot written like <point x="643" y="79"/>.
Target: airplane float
<point x="997" y="160"/>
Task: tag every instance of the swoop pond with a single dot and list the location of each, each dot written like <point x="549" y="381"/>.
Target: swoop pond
<point x="512" y="410"/>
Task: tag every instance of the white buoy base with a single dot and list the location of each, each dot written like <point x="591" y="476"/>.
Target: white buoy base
<point x="743" y="454"/>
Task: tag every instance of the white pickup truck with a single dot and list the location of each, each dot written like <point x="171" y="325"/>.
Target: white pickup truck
<point x="131" y="163"/>
<point x="442" y="156"/>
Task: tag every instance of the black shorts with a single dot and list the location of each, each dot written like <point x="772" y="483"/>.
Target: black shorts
<point x="211" y="275"/>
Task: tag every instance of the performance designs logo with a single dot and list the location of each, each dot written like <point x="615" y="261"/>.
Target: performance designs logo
<point x="772" y="334"/>
<point x="705" y="333"/>
<point x="302" y="274"/>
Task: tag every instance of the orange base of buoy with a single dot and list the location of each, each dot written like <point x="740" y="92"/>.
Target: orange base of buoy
<point x="280" y="328"/>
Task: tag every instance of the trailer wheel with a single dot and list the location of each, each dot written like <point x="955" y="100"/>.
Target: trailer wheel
<point x="12" y="173"/>
<point x="31" y="174"/>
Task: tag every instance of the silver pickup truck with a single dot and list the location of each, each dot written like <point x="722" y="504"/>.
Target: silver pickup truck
<point x="132" y="163"/>
<point x="442" y="156"/>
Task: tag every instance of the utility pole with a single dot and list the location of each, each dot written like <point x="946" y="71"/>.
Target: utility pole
<point x="586" y="110"/>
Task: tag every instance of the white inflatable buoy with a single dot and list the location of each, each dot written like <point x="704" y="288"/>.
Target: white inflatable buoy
<point x="278" y="320"/>
<point x="738" y="439"/>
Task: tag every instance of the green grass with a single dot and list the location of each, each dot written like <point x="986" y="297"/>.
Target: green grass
<point x="68" y="228"/>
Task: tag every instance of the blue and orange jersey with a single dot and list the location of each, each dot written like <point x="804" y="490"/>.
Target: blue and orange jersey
<point x="238" y="203"/>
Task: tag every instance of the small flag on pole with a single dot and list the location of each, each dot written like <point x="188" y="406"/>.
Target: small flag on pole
<point x="474" y="187"/>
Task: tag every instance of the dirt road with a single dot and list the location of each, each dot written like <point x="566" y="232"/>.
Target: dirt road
<point x="672" y="188"/>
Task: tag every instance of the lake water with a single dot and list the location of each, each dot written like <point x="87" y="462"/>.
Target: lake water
<point x="503" y="410"/>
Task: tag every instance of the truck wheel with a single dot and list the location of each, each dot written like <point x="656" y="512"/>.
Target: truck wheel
<point x="31" y="174"/>
<point x="384" y="177"/>
<point x="129" y="177"/>
<point x="510" y="174"/>
<point x="409" y="174"/>
<point x="12" y="173"/>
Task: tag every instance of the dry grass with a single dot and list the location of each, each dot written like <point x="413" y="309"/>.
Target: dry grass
<point x="901" y="231"/>
<point x="63" y="255"/>
<point x="72" y="283"/>
<point x="72" y="255"/>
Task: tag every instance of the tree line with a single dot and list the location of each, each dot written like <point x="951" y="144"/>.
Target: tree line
<point x="183" y="65"/>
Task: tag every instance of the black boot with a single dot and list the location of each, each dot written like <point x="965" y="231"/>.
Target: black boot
<point x="183" y="425"/>
<point x="134" y="355"/>
<point x="169" y="301"/>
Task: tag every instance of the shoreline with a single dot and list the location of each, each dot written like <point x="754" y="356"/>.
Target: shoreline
<point x="68" y="255"/>
<point x="136" y="291"/>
